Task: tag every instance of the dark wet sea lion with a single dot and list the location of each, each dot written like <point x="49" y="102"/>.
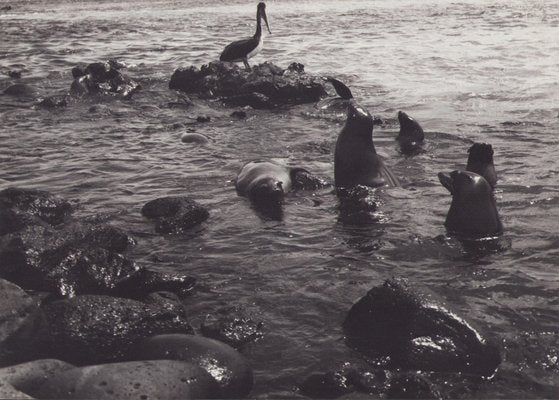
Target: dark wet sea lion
<point x="473" y="212"/>
<point x="480" y="161"/>
<point x="356" y="161"/>
<point x="411" y="133"/>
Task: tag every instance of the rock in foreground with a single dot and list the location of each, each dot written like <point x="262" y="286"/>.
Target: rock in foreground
<point x="228" y="367"/>
<point x="20" y="319"/>
<point x="264" y="86"/>
<point x="160" y="379"/>
<point x="392" y="323"/>
<point x="95" y="329"/>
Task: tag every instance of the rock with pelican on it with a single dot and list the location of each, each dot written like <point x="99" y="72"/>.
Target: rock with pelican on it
<point x="264" y="86"/>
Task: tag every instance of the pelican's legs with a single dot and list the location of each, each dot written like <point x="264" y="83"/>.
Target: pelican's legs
<point x="245" y="61"/>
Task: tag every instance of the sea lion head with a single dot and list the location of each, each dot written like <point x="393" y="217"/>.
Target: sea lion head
<point x="411" y="133"/>
<point x="267" y="191"/>
<point x="359" y="121"/>
<point x="480" y="161"/>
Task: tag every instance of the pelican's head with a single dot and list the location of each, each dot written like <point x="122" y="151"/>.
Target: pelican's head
<point x="261" y="13"/>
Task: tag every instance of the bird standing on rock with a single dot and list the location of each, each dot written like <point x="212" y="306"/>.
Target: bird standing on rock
<point x="242" y="50"/>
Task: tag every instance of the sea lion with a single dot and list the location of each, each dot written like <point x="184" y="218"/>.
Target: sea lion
<point x="480" y="161"/>
<point x="356" y="161"/>
<point x="411" y="134"/>
<point x="473" y="212"/>
<point x="267" y="182"/>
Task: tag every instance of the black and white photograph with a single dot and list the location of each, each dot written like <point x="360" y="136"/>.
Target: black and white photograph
<point x="279" y="199"/>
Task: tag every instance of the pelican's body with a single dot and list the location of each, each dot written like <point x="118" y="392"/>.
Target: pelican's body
<point x="242" y="50"/>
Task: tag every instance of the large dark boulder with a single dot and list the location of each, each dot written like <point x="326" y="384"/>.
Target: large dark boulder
<point x="20" y="321"/>
<point x="23" y="207"/>
<point x="76" y="259"/>
<point x="264" y="86"/>
<point x="411" y="332"/>
<point x="174" y="214"/>
<point x="140" y="380"/>
<point x="93" y="329"/>
<point x="102" y="78"/>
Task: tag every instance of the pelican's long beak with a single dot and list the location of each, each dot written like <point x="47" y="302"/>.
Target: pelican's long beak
<point x="266" y="20"/>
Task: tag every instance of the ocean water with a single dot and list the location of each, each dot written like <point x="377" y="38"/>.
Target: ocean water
<point x="479" y="70"/>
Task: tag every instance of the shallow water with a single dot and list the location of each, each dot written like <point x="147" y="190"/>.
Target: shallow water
<point x="467" y="71"/>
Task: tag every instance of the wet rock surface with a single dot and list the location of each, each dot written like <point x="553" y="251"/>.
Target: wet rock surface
<point x="67" y="261"/>
<point x="227" y="366"/>
<point x="264" y="86"/>
<point x="174" y="214"/>
<point x="393" y="325"/>
<point x="23" y="207"/>
<point x="20" y="319"/>
<point x="99" y="329"/>
<point x="103" y="78"/>
<point x="160" y="379"/>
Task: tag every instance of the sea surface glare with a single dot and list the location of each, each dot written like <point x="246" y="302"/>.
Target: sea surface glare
<point x="468" y="71"/>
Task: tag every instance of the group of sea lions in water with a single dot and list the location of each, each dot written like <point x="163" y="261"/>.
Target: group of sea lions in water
<point x="473" y="211"/>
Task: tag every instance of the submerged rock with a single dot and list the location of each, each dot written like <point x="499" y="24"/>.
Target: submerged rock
<point x="174" y="214"/>
<point x="191" y="137"/>
<point x="377" y="383"/>
<point x="264" y="86"/>
<point x="21" y="90"/>
<point x="232" y="327"/>
<point x="159" y="379"/>
<point x="412" y="333"/>
<point x="20" y="320"/>
<point x="102" y="78"/>
<point x="93" y="329"/>
<point x="144" y="281"/>
<point x="54" y="101"/>
<point x="227" y="366"/>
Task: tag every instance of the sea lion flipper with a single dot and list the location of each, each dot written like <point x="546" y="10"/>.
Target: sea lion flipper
<point x="391" y="179"/>
<point x="341" y="89"/>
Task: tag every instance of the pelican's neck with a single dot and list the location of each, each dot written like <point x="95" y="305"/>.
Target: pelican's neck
<point x="258" y="33"/>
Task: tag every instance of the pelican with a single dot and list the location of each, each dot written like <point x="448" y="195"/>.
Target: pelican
<point x="242" y="50"/>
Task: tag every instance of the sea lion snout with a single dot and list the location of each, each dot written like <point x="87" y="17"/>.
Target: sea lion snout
<point x="268" y="191"/>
